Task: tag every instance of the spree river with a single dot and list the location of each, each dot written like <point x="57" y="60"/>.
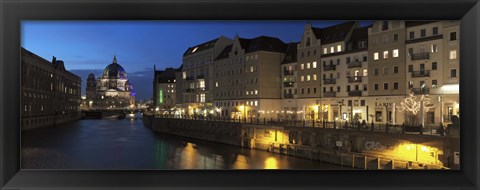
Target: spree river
<point x="127" y="144"/>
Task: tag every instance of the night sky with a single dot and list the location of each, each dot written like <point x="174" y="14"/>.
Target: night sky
<point x="89" y="46"/>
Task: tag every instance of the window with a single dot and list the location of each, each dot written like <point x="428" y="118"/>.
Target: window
<point x="453" y="54"/>
<point x="365" y="72"/>
<point x="434" y="83"/>
<point x="339" y="48"/>
<point x="202" y="97"/>
<point x="314" y="90"/>
<point x="348" y="88"/>
<point x="385" y="54"/>
<point x="308" y="65"/>
<point x="453" y="36"/>
<point x="365" y="58"/>
<point x="378" y="116"/>
<point x="184" y="75"/>
<point x="375" y="86"/>
<point x="314" y="77"/>
<point x="325" y="51"/>
<point x="453" y="73"/>
<point x="308" y="77"/>
<point x="395" y="53"/>
<point x="332" y="49"/>
<point x="302" y="66"/>
<point x="395" y="85"/>
<point x="314" y="52"/>
<point x="314" y="64"/>
<point x="395" y="37"/>
<point x="395" y="69"/>
<point x="375" y="56"/>
<point x="410" y="68"/>
<point x="365" y="87"/>
<point x="375" y="72"/>
<point x="251" y="69"/>
<point x="338" y="88"/>
<point x="434" y="66"/>
<point x="301" y="78"/>
<point x="385" y="86"/>
<point x="256" y="103"/>
<point x="412" y="35"/>
<point x="435" y="30"/>
<point x="410" y="84"/>
<point x="434" y="48"/>
<point x="308" y="42"/>
<point x="256" y="92"/>
<point x="385" y="25"/>
<point x="216" y="84"/>
<point x="423" y="33"/>
<point x="308" y="90"/>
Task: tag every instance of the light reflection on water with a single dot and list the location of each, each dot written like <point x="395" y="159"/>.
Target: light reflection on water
<point x="127" y="144"/>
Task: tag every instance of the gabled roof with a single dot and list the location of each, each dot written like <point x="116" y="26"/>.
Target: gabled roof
<point x="416" y="23"/>
<point x="334" y="33"/>
<point x="224" y="53"/>
<point x="165" y="75"/>
<point x="265" y="43"/>
<point x="291" y="53"/>
<point x="200" y="47"/>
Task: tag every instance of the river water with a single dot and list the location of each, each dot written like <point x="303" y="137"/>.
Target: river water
<point x="127" y="144"/>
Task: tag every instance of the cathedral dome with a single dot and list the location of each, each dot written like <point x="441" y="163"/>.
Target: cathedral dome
<point x="114" y="71"/>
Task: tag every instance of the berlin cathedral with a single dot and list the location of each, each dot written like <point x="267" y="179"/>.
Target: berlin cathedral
<point x="112" y="90"/>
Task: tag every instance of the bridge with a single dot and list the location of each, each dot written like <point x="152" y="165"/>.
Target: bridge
<point x="104" y="113"/>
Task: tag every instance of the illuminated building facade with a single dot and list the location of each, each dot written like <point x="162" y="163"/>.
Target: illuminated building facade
<point x="164" y="90"/>
<point x="344" y="72"/>
<point x="112" y="90"/>
<point x="50" y="93"/>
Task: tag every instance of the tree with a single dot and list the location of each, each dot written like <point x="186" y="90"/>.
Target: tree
<point x="412" y="105"/>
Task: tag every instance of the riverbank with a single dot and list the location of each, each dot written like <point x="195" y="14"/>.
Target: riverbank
<point x="356" y="149"/>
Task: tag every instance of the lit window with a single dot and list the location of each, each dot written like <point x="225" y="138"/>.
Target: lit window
<point x="308" y="77"/>
<point x="202" y="84"/>
<point x="251" y="69"/>
<point x="301" y="78"/>
<point x="395" y="53"/>
<point x="202" y="97"/>
<point x="256" y="56"/>
<point x="385" y="54"/>
<point x="339" y="48"/>
<point x="184" y="75"/>
<point x="453" y="54"/>
<point x="314" y="77"/>
<point x="256" y="103"/>
<point x="332" y="49"/>
<point x="216" y="84"/>
<point x="301" y="66"/>
<point x="314" y="64"/>
<point x="246" y="92"/>
<point x="375" y="56"/>
<point x="256" y="91"/>
<point x="434" y="48"/>
<point x="308" y="65"/>
<point x="365" y="72"/>
<point x="325" y="51"/>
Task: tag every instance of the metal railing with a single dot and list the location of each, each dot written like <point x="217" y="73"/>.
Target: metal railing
<point x="339" y="125"/>
<point x="330" y="81"/>
<point x="189" y="78"/>
<point x="287" y="95"/>
<point x="329" y="67"/>
<point x="423" y="73"/>
<point x="355" y="93"/>
<point x="419" y="91"/>
<point x="288" y="84"/>
<point x="354" y="79"/>
<point x="287" y="72"/>
<point x="329" y="94"/>
<point x="419" y="56"/>
<point x="354" y="64"/>
<point x="189" y="90"/>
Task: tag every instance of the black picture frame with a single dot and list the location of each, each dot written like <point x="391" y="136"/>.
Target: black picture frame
<point x="12" y="12"/>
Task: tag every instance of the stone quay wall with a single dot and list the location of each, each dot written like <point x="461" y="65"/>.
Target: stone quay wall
<point x="358" y="149"/>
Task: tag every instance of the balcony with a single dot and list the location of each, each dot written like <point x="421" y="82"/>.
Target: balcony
<point x="355" y="93"/>
<point x="287" y="72"/>
<point x="329" y="94"/>
<point x="189" y="78"/>
<point x="288" y="84"/>
<point x="424" y="73"/>
<point x="329" y="67"/>
<point x="420" y="56"/>
<point x="354" y="79"/>
<point x="329" y="81"/>
<point x="189" y="90"/>
<point x="288" y="96"/>
<point x="200" y="76"/>
<point x="420" y="91"/>
<point x="354" y="64"/>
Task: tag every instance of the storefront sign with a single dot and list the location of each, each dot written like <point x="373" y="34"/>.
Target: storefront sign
<point x="383" y="104"/>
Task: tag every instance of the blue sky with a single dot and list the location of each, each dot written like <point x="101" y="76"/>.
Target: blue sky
<point x="88" y="46"/>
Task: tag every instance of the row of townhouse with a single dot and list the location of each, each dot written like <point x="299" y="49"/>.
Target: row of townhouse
<point x="343" y="72"/>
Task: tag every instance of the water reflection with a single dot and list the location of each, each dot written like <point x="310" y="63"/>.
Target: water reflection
<point x="127" y="144"/>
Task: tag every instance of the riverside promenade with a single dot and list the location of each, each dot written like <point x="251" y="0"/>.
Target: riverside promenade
<point x="361" y="148"/>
